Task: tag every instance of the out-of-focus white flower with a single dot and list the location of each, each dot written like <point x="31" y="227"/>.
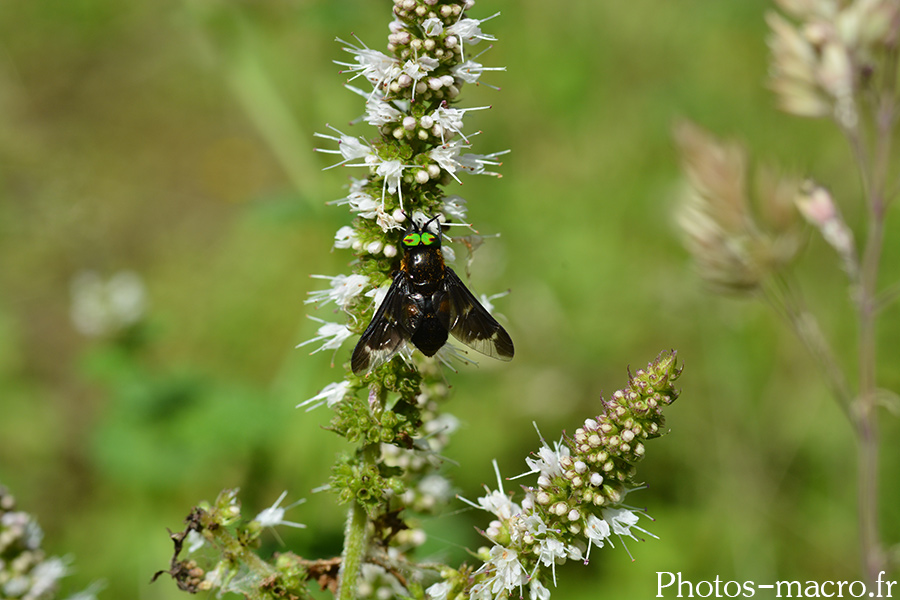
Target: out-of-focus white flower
<point x="274" y="515"/>
<point x="331" y="394"/>
<point x="104" y="307"/>
<point x="455" y="208"/>
<point x="816" y="204"/>
<point x="436" y="487"/>
<point x="487" y="301"/>
<point x="445" y="423"/>
<point x="19" y="525"/>
<point x="89" y="593"/>
<point x="194" y="541"/>
<point x="45" y="576"/>
<point x="439" y="591"/>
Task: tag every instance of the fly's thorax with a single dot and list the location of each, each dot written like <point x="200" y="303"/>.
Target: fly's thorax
<point x="424" y="264"/>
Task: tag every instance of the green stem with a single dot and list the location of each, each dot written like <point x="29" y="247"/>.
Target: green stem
<point x="783" y="296"/>
<point x="356" y="543"/>
<point x="865" y="414"/>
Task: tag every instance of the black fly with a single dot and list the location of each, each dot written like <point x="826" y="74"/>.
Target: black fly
<point x="425" y="303"/>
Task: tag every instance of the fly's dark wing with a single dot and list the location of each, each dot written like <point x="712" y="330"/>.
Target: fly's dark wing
<point x="389" y="329"/>
<point x="471" y="324"/>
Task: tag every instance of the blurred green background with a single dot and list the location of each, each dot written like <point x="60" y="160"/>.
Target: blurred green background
<point x="173" y="138"/>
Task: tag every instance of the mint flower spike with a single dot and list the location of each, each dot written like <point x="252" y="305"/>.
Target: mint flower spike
<point x="578" y="502"/>
<point x="26" y="572"/>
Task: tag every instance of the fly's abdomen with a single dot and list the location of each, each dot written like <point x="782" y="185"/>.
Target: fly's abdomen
<point x="431" y="335"/>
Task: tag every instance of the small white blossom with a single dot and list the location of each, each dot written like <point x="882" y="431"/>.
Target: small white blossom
<point x="433" y="27"/>
<point x="547" y="461"/>
<point x="447" y="156"/>
<point x="274" y="515"/>
<point x="435" y="488"/>
<point x="469" y="30"/>
<point x="498" y="503"/>
<point x="508" y="571"/>
<point x="344" y="288"/>
<point x="596" y="530"/>
<point x="470" y="71"/>
<point x="537" y="590"/>
<point x="378" y="294"/>
<point x="378" y="68"/>
<point x="345" y="237"/>
<point x="388" y="221"/>
<point x="487" y="301"/>
<point x="549" y="551"/>
<point x="448" y="253"/>
<point x="415" y="70"/>
<point x="451" y="120"/>
<point x="454" y="207"/>
<point x="88" y="593"/>
<point x="623" y="521"/>
<point x="445" y="423"/>
<point x="349" y="147"/>
<point x="475" y="163"/>
<point x="194" y="541"/>
<point x="333" y="335"/>
<point x="419" y="68"/>
<point x="363" y="204"/>
<point x="104" y="307"/>
<point x="439" y="591"/>
<point x="392" y="171"/>
<point x="379" y="113"/>
<point x="331" y="394"/>
<point x="46" y="575"/>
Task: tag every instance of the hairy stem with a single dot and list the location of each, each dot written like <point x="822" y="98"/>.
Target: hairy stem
<point x="355" y="545"/>
<point x="356" y="539"/>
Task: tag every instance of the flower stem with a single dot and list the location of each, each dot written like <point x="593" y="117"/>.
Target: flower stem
<point x="355" y="545"/>
<point x="866" y="418"/>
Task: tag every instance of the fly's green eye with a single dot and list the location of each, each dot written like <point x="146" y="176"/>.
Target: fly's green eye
<point x="427" y="238"/>
<point x="411" y="239"/>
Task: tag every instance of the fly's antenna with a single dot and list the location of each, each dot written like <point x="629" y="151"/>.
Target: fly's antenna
<point x="432" y="220"/>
